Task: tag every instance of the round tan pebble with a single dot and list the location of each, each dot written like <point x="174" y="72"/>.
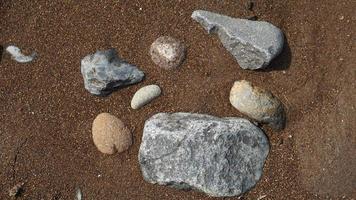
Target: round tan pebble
<point x="110" y="133"/>
<point x="167" y="52"/>
<point x="258" y="104"/>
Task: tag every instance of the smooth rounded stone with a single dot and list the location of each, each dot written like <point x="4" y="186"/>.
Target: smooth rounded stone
<point x="253" y="43"/>
<point x="104" y="72"/>
<point x="145" y="95"/>
<point x="258" y="104"/>
<point x="16" y="54"/>
<point x="218" y="156"/>
<point x="110" y="134"/>
<point x="167" y="52"/>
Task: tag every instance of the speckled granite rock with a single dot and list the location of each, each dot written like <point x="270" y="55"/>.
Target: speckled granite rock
<point x="219" y="156"/>
<point x="253" y="43"/>
<point x="167" y="52"/>
<point x="104" y="72"/>
<point x="145" y="95"/>
<point x="258" y="103"/>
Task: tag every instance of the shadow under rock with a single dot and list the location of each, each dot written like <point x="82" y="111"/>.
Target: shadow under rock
<point x="282" y="61"/>
<point x="1" y="52"/>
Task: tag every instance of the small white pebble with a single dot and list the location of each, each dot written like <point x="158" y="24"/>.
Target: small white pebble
<point x="145" y="95"/>
<point x="341" y="17"/>
<point x="79" y="194"/>
<point x="16" y="54"/>
<point x="140" y="8"/>
<point x="262" y="197"/>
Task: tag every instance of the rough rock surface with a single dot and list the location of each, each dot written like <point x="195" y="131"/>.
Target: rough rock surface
<point x="104" y="72"/>
<point x="258" y="104"/>
<point x="110" y="133"/>
<point x="167" y="52"/>
<point x="16" y="54"/>
<point x="253" y="43"/>
<point x="145" y="95"/>
<point x="219" y="156"/>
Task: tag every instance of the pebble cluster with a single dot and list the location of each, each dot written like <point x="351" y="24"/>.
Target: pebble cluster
<point x="176" y="148"/>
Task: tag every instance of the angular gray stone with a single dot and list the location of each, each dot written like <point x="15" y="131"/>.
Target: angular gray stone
<point x="253" y="43"/>
<point x="104" y="72"/>
<point x="218" y="156"/>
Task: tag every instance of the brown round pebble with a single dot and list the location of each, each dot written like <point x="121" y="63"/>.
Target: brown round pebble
<point x="167" y="52"/>
<point x="110" y="133"/>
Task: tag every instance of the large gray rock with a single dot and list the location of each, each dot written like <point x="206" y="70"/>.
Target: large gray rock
<point x="253" y="43"/>
<point x="219" y="156"/>
<point x="104" y="71"/>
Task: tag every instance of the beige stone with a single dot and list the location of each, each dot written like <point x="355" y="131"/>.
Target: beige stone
<point x="110" y="134"/>
<point x="257" y="103"/>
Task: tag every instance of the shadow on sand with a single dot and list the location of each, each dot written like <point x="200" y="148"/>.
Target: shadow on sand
<point x="282" y="61"/>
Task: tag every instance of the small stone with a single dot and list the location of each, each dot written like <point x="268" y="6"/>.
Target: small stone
<point x="16" y="54"/>
<point x="110" y="133"/>
<point x="258" y="104"/>
<point x="104" y="72"/>
<point x="167" y="52"/>
<point x="218" y="156"/>
<point x="145" y="95"/>
<point x="79" y="194"/>
<point x="16" y="190"/>
<point x="253" y="43"/>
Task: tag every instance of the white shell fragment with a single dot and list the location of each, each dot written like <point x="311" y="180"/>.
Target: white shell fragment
<point x="16" y="54"/>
